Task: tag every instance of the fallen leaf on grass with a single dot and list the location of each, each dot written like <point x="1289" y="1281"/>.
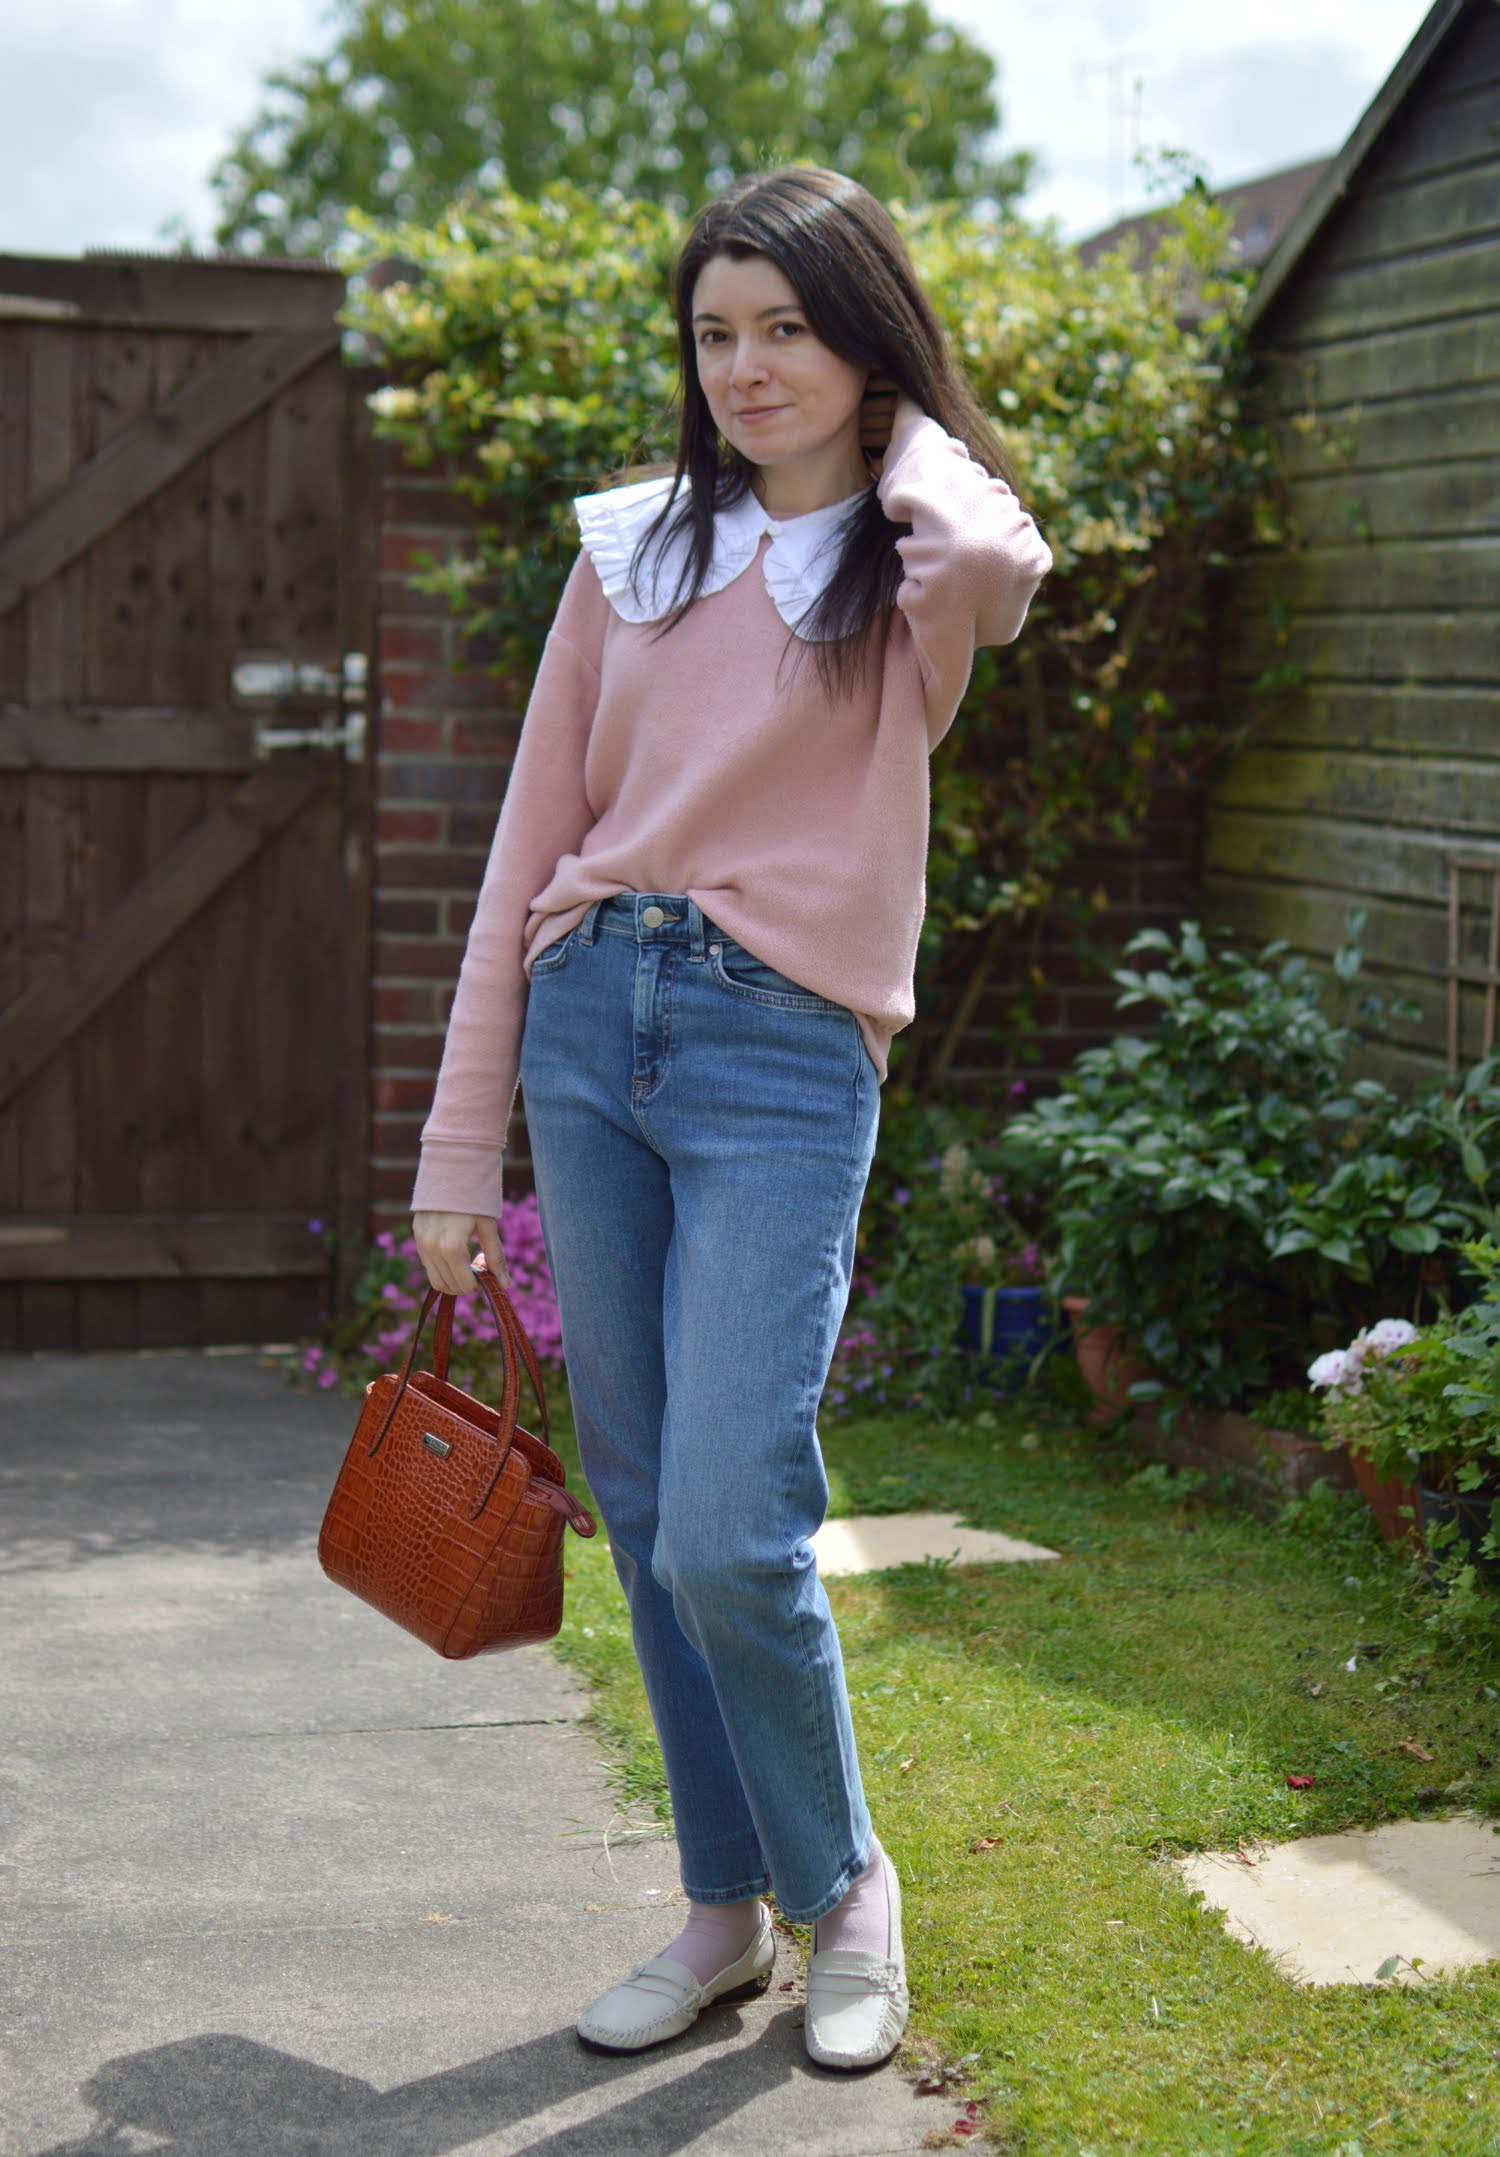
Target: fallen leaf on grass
<point x="985" y="1842"/>
<point x="1299" y="1782"/>
<point x="957" y="2137"/>
<point x="1412" y="1746"/>
<point x="936" y="2077"/>
<point x="907" y="1765"/>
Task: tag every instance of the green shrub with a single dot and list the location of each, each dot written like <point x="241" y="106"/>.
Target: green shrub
<point x="1430" y="1408"/>
<point x="1226" y="1192"/>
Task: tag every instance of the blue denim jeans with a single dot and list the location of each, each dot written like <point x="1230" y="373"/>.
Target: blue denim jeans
<point x="701" y="1130"/>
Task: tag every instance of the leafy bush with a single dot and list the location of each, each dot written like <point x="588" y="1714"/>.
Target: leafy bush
<point x="1430" y="1406"/>
<point x="532" y="353"/>
<point x="937" y="1216"/>
<point x="1227" y="1192"/>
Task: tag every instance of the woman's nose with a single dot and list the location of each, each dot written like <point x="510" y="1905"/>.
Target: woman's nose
<point x="749" y="365"/>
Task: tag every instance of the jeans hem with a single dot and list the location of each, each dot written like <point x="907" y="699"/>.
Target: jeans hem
<point x="715" y="1895"/>
<point x="836" y="1893"/>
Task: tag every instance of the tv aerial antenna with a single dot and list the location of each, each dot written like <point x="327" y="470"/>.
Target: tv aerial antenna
<point x="1122" y="115"/>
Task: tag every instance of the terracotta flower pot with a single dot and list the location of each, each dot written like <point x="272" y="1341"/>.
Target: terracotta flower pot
<point x="1385" y="1495"/>
<point x="1108" y="1359"/>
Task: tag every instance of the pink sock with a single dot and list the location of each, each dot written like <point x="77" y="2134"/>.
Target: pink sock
<point x="716" y="1934"/>
<point x="862" y="1921"/>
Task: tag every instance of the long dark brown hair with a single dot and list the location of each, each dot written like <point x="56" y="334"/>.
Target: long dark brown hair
<point x="841" y="253"/>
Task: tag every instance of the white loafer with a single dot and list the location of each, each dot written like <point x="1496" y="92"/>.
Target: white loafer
<point x="857" y="2004"/>
<point x="662" y="1998"/>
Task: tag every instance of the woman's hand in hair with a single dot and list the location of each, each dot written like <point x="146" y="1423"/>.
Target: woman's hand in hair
<point x="877" y="414"/>
<point x="443" y="1241"/>
<point x="884" y="411"/>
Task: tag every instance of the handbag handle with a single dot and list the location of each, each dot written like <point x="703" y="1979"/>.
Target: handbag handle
<point x="515" y="1349"/>
<point x="512" y="1333"/>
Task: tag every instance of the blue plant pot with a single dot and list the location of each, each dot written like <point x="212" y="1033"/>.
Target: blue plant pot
<point x="1007" y="1328"/>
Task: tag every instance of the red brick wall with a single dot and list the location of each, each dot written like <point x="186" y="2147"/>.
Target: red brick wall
<point x="442" y="743"/>
<point x="443" y="740"/>
<point x="1149" y="884"/>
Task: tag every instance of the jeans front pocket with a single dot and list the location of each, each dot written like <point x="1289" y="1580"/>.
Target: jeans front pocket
<point x="556" y="955"/>
<point x="739" y="971"/>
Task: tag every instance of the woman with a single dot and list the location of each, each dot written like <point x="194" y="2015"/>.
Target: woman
<point x="694" y="942"/>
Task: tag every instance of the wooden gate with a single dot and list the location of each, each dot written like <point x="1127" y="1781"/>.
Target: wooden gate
<point x="183" y="876"/>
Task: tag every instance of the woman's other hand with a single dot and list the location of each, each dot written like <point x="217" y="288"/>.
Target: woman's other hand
<point x="443" y="1241"/>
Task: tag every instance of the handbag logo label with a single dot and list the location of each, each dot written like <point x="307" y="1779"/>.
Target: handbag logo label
<point x="434" y="1444"/>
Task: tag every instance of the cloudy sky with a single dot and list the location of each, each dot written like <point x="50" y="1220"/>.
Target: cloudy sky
<point x="113" y="111"/>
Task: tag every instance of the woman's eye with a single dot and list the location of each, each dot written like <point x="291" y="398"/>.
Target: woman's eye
<point x="793" y="329"/>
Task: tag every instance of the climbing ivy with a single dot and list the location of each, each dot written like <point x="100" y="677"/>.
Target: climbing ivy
<point x="529" y="345"/>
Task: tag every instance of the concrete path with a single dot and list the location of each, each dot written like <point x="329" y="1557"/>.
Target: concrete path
<point x="273" y="1878"/>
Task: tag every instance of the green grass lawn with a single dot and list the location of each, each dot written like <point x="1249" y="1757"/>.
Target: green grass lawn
<point x="1036" y="1739"/>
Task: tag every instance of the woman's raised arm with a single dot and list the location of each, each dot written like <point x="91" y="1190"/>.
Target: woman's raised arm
<point x="972" y="561"/>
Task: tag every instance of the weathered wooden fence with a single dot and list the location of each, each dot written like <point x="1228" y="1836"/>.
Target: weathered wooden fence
<point x="183" y="890"/>
<point x="1376" y="767"/>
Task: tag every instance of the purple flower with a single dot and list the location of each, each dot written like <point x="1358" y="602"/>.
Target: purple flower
<point x="315" y="1228"/>
<point x="901" y="1197"/>
<point x="1016" y="1089"/>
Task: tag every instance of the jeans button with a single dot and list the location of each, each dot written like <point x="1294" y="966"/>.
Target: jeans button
<point x="653" y="917"/>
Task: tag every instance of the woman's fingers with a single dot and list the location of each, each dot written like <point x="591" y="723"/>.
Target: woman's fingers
<point x="443" y="1243"/>
<point x="488" y="1233"/>
<point x="877" y="413"/>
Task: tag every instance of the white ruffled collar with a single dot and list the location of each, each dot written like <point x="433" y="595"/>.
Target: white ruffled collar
<point x="798" y="562"/>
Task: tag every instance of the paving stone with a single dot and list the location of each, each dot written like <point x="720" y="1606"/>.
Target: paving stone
<point x="275" y="1881"/>
<point x="883" y="1539"/>
<point x="1332" y="1909"/>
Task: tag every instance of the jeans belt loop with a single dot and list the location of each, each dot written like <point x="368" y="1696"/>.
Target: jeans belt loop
<point x="590" y="922"/>
<point x="695" y="929"/>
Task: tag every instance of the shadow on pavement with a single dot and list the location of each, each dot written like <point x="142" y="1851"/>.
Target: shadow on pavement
<point x="225" y="2096"/>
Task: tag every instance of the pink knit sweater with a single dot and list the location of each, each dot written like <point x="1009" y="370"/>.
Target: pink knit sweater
<point x="705" y="762"/>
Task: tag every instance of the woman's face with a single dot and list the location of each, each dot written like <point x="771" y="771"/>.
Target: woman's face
<point x="776" y="392"/>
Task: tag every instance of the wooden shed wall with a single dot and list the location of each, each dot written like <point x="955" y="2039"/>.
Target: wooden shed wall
<point x="1380" y="375"/>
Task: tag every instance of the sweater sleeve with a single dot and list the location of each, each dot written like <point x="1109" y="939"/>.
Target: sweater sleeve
<point x="544" y="815"/>
<point x="972" y="560"/>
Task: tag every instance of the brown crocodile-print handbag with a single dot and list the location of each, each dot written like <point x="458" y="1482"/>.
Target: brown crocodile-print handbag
<point x="446" y="1515"/>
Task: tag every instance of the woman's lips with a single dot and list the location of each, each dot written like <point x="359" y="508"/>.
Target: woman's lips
<point x="759" y="411"/>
